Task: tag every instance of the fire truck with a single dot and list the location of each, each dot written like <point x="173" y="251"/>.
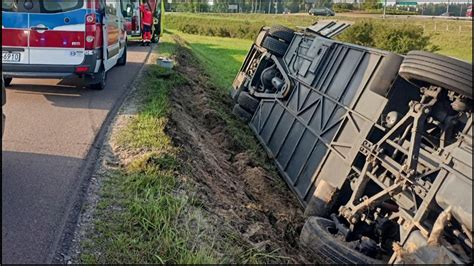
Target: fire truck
<point x="133" y="17"/>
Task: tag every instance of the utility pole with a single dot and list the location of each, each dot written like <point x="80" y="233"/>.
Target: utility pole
<point x="384" y="6"/>
<point x="447" y="9"/>
<point x="269" y="6"/>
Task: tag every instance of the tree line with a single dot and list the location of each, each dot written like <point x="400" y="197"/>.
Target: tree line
<point x="296" y="6"/>
<point x="245" y="6"/>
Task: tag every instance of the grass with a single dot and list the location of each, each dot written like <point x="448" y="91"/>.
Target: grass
<point x="459" y="47"/>
<point x="453" y="37"/>
<point x="147" y="129"/>
<point x="220" y="57"/>
<point x="147" y="212"/>
<point x="142" y="217"/>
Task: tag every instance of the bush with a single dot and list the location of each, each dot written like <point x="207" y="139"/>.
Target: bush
<point x="343" y="7"/>
<point x="214" y="26"/>
<point x="402" y="39"/>
<point x="360" y="33"/>
<point x="391" y="11"/>
<point x="398" y="38"/>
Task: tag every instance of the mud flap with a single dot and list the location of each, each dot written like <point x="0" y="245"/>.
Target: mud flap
<point x="320" y="202"/>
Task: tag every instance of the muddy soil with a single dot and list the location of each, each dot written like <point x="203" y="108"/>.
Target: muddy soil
<point x="232" y="188"/>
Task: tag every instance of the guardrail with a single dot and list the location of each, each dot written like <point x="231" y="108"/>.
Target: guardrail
<point x="438" y="17"/>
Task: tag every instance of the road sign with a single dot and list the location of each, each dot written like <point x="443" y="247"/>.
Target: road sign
<point x="406" y="3"/>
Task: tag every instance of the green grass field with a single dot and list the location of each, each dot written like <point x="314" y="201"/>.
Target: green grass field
<point x="220" y="57"/>
<point x="454" y="38"/>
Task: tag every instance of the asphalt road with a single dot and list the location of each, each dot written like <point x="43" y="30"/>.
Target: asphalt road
<point x="50" y="129"/>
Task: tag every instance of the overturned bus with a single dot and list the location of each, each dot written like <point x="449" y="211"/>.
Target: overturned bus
<point x="376" y="146"/>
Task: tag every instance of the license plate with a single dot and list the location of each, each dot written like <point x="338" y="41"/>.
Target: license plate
<point x="10" y="57"/>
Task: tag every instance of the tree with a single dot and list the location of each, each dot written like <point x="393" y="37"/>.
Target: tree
<point x="293" y="5"/>
<point x="371" y="4"/>
<point x="325" y="3"/>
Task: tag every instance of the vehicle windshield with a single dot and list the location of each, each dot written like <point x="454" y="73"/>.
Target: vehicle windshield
<point x="41" y="6"/>
<point x="49" y="6"/>
<point x="9" y="5"/>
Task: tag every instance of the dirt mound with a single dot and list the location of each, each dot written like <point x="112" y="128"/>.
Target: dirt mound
<point x="231" y="187"/>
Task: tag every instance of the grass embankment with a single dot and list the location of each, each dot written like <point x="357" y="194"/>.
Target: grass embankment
<point x="148" y="210"/>
<point x="141" y="217"/>
<point x="453" y="38"/>
<point x="221" y="59"/>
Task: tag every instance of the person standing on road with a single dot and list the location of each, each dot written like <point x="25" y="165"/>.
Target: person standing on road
<point x="147" y="20"/>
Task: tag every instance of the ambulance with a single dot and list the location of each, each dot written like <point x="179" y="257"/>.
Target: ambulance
<point x="133" y="17"/>
<point x="63" y="39"/>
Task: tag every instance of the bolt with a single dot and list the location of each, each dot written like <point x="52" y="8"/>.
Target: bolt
<point x="400" y="220"/>
<point x="418" y="190"/>
<point x="427" y="110"/>
<point x="353" y="220"/>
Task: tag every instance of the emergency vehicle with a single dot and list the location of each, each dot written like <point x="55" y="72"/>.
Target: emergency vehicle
<point x="133" y="17"/>
<point x="62" y="39"/>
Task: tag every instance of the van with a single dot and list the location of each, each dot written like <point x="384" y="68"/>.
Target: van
<point x="62" y="39"/>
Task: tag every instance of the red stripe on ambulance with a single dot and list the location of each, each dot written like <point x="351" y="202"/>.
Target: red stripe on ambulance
<point x="14" y="37"/>
<point x="59" y="39"/>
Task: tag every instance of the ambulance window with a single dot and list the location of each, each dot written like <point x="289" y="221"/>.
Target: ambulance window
<point x="111" y="7"/>
<point x="48" y="6"/>
<point x="10" y="5"/>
